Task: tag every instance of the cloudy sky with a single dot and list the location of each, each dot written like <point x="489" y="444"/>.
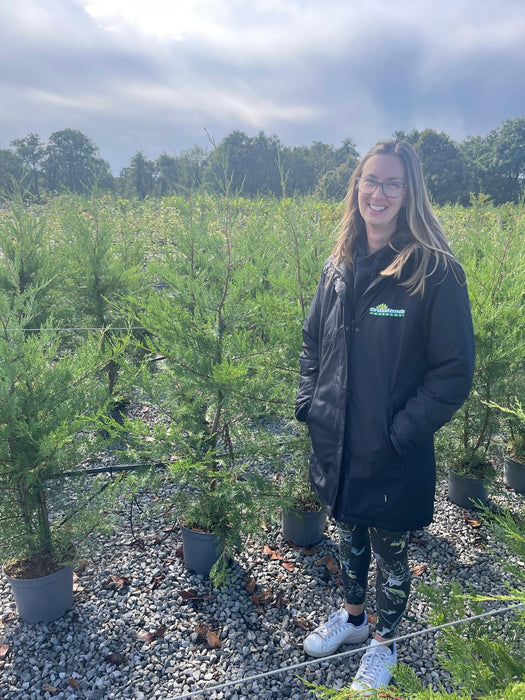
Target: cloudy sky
<point x="159" y="75"/>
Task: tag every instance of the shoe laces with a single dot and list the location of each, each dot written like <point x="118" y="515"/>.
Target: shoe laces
<point x="373" y="663"/>
<point x="332" y="626"/>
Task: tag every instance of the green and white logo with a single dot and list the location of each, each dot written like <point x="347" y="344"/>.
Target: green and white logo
<point x="383" y="310"/>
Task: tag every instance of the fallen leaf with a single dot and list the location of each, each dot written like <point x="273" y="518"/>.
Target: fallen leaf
<point x="263" y="597"/>
<point x="280" y="601"/>
<point x="48" y="688"/>
<point x="251" y="585"/>
<point x="115" y="659"/>
<point x="8" y="617"/>
<point x="312" y="551"/>
<point x="213" y="640"/>
<point x="179" y="552"/>
<point x="157" y="580"/>
<point x="474" y="524"/>
<point x="201" y="631"/>
<point x="330" y="562"/>
<point x="303" y="623"/>
<point x="288" y="565"/>
<point x="419" y="570"/>
<point x="74" y="683"/>
<point x="118" y="583"/>
<point x="160" y="632"/>
<point x="372" y="619"/>
<point x="4" y="648"/>
<point x="272" y="553"/>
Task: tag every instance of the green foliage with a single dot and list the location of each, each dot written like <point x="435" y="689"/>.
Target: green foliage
<point x="49" y="402"/>
<point x="489" y="243"/>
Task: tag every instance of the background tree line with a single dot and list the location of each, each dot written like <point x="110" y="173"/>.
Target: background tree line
<point x="493" y="165"/>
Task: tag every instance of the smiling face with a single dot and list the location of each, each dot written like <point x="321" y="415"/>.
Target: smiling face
<point x="378" y="211"/>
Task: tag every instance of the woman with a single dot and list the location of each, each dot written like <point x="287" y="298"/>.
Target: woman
<point x="387" y="358"/>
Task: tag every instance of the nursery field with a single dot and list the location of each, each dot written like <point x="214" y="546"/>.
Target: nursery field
<point x="147" y="386"/>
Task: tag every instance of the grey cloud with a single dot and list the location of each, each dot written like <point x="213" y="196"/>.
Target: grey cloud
<point x="304" y="71"/>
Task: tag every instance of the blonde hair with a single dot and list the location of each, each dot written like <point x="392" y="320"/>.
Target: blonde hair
<point x="416" y="217"/>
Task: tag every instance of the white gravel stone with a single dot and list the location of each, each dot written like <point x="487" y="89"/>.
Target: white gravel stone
<point x="254" y="639"/>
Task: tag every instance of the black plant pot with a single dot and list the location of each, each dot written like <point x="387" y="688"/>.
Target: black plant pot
<point x="303" y="528"/>
<point x="43" y="599"/>
<point x="201" y="550"/>
<point x="466" y="491"/>
<point x="514" y="474"/>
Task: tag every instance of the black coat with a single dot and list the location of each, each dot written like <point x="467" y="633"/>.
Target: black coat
<point x="378" y="376"/>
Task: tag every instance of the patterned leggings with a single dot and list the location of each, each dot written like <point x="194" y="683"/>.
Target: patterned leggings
<point x="393" y="572"/>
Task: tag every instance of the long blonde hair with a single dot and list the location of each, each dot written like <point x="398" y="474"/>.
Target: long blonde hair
<point x="416" y="217"/>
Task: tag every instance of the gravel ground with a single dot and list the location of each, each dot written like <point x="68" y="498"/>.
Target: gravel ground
<point x="147" y="640"/>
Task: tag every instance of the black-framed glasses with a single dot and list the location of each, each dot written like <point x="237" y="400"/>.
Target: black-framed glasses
<point x="391" y="188"/>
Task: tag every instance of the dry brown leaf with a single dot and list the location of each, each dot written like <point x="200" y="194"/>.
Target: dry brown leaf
<point x="160" y="632"/>
<point x="74" y="683"/>
<point x="201" y="631"/>
<point x="372" y="619"/>
<point x="48" y="688"/>
<point x="4" y="648"/>
<point x="272" y="553"/>
<point x="288" y="565"/>
<point x="474" y="524"/>
<point x="118" y="583"/>
<point x="157" y="580"/>
<point x="312" y="551"/>
<point x="330" y="562"/>
<point x="213" y="640"/>
<point x="280" y="601"/>
<point x="115" y="659"/>
<point x="250" y="586"/>
<point x="303" y="623"/>
<point x="419" y="570"/>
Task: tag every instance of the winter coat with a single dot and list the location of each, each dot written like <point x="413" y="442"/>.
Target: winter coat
<point x="379" y="374"/>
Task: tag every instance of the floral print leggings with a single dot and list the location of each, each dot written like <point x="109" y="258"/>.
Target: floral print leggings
<point x="356" y="543"/>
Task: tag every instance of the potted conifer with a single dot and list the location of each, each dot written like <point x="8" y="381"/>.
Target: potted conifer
<point x="487" y="246"/>
<point x="514" y="460"/>
<point x="48" y="400"/>
<point x="207" y="337"/>
<point x="303" y="515"/>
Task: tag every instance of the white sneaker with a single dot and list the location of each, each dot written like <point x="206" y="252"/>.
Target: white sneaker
<point x="376" y="667"/>
<point x="327" y="638"/>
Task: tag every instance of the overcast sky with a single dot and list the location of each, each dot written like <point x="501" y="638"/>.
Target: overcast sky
<point x="158" y="75"/>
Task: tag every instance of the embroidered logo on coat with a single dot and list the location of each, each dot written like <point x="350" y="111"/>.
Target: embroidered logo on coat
<point x="383" y="310"/>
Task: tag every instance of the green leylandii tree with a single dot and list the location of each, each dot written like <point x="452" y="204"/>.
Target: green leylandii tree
<point x="101" y="263"/>
<point x="27" y="257"/>
<point x="489" y="244"/>
<point x="50" y="399"/>
<point x="210" y="345"/>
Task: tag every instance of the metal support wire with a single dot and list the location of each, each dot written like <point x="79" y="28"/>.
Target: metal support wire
<point x="304" y="664"/>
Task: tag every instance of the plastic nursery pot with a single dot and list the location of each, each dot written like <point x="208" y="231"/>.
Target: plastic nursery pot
<point x="303" y="528"/>
<point x="201" y="550"/>
<point x="514" y="474"/>
<point x="43" y="599"/>
<point x="466" y="491"/>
